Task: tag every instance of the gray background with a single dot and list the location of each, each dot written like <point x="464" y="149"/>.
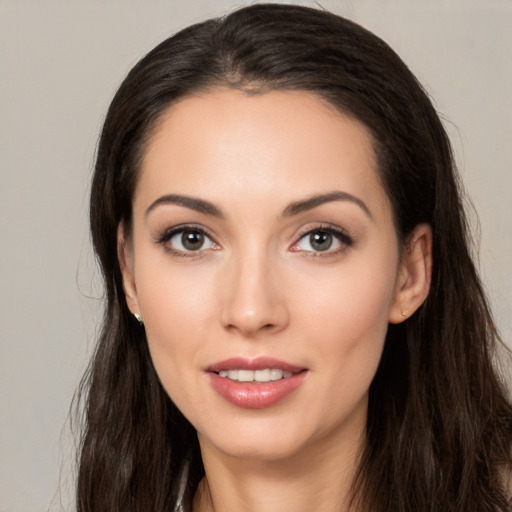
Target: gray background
<point x="60" y="63"/>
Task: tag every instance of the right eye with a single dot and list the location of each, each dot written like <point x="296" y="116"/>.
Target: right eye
<point x="187" y="240"/>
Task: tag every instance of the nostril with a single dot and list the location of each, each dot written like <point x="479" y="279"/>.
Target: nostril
<point x="249" y="309"/>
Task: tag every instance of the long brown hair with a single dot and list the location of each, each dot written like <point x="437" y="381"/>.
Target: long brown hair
<point x="439" y="421"/>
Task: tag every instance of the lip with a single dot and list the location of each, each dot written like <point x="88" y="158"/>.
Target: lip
<point x="258" y="363"/>
<point x="255" y="395"/>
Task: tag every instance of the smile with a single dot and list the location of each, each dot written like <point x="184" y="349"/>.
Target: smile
<point x="255" y="383"/>
<point x="265" y="375"/>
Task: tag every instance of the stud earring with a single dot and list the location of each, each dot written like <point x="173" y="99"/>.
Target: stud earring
<point x="139" y="319"/>
<point x="403" y="314"/>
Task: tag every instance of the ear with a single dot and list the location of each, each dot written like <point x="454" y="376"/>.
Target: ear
<point x="125" y="257"/>
<point x="414" y="276"/>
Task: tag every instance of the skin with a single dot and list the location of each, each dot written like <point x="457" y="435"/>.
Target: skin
<point x="257" y="287"/>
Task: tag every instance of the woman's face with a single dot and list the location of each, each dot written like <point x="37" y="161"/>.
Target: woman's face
<point x="263" y="248"/>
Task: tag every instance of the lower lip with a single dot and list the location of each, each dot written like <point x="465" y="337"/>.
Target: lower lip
<point x="255" y="395"/>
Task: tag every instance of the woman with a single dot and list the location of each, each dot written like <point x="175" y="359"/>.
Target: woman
<point x="293" y="319"/>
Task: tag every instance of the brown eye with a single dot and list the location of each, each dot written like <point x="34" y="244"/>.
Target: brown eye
<point x="329" y="240"/>
<point x="187" y="240"/>
<point x="320" y="241"/>
<point x="192" y="240"/>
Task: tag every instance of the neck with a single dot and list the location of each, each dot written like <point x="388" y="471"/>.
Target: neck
<point x="319" y="478"/>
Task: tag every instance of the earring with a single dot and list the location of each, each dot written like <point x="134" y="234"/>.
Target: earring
<point x="139" y="319"/>
<point x="403" y="314"/>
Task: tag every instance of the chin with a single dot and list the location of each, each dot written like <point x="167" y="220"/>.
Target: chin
<point x="259" y="439"/>
<point x="255" y="448"/>
<point x="278" y="439"/>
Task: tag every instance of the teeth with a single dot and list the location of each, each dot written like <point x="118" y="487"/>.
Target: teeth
<point x="262" y="375"/>
<point x="245" y="375"/>
<point x="276" y="374"/>
<point x="266" y="375"/>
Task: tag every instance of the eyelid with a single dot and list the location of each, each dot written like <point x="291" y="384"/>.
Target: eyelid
<point x="169" y="233"/>
<point x="342" y="236"/>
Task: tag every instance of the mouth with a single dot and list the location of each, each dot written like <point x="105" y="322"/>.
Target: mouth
<point x="265" y="375"/>
<point x="260" y="369"/>
<point x="255" y="383"/>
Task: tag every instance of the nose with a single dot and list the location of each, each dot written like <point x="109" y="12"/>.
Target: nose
<point x="253" y="299"/>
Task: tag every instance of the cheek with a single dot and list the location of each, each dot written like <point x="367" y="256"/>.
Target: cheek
<point x="351" y="298"/>
<point x="174" y="298"/>
<point x="177" y="306"/>
<point x="346" y="316"/>
<point x="175" y="329"/>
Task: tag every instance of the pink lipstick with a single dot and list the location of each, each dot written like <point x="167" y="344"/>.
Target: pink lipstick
<point x="255" y="383"/>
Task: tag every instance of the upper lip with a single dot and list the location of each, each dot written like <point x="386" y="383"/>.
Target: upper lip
<point x="258" y="363"/>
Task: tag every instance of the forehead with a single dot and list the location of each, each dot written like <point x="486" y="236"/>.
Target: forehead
<point x="228" y="142"/>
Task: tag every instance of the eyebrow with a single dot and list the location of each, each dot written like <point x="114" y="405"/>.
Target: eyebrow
<point x="199" y="205"/>
<point x="317" y="200"/>
<point x="202" y="206"/>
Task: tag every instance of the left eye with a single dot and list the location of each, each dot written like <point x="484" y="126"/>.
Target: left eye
<point x="190" y="240"/>
<point x="321" y="240"/>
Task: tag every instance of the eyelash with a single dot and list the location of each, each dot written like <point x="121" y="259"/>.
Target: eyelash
<point x="165" y="237"/>
<point x="345" y="240"/>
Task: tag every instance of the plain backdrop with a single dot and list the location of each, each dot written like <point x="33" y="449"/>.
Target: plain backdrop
<point x="60" y="63"/>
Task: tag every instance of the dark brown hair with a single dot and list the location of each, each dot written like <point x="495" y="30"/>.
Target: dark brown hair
<point x="439" y="424"/>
